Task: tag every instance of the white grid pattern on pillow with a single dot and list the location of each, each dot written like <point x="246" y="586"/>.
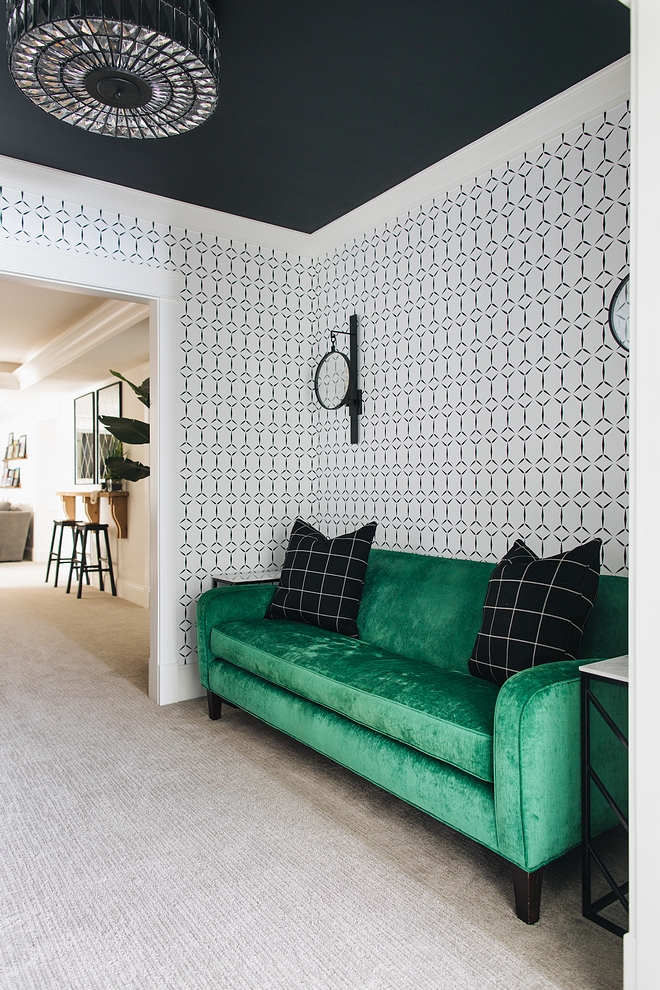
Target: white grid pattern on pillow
<point x="322" y="580"/>
<point x="535" y="610"/>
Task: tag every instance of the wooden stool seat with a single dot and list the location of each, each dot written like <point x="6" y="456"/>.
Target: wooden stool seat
<point x="85" y="567"/>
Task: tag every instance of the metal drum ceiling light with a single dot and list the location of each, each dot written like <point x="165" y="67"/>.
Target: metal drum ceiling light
<point x="126" y="68"/>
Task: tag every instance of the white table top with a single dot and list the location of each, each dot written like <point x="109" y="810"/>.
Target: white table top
<point x="253" y="577"/>
<point x="614" y="669"/>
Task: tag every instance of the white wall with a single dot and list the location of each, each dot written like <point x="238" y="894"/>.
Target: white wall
<point x="48" y="425"/>
<point x="495" y="398"/>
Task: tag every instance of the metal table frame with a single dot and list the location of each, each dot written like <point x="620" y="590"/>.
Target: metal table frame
<point x="615" y="673"/>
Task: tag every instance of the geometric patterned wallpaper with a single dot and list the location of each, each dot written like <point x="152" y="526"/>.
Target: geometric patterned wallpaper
<point x="495" y="399"/>
<point x="246" y="410"/>
<point x="494" y="396"/>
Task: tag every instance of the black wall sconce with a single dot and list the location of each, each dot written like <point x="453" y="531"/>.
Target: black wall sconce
<point x="336" y="378"/>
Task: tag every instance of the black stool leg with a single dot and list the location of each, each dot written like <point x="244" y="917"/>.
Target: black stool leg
<point x="50" y="552"/>
<point x="110" y="571"/>
<point x="59" y="554"/>
<point x="83" y="561"/>
<point x="74" y="559"/>
<point x="99" y="561"/>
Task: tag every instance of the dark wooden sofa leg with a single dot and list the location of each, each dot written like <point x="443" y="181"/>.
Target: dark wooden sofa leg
<point x="215" y="705"/>
<point x="527" y="889"/>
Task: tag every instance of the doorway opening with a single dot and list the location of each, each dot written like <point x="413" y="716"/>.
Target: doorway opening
<point x="149" y="344"/>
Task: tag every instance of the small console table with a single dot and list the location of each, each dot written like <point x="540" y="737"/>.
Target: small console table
<point x="615" y="671"/>
<point x="118" y="507"/>
<point x="255" y="577"/>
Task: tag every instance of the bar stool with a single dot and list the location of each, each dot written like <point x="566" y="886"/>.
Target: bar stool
<point x="85" y="567"/>
<point x="55" y="556"/>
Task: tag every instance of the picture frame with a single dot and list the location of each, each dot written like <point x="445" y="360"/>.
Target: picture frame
<point x="9" y="452"/>
<point x="108" y="403"/>
<point x="22" y="446"/>
<point x="84" y="426"/>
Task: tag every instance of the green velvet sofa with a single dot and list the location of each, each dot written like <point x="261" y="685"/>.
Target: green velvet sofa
<point x="398" y="707"/>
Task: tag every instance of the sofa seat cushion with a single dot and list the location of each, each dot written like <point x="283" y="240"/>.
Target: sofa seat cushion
<point x="443" y="713"/>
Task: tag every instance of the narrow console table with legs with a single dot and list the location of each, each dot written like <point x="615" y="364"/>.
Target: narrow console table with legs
<point x="595" y="714"/>
<point x="118" y="502"/>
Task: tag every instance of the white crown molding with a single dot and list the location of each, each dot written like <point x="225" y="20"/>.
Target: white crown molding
<point x="8" y="382"/>
<point x="42" y="180"/>
<point x="599" y="92"/>
<point x="106" y="321"/>
<point x="593" y="95"/>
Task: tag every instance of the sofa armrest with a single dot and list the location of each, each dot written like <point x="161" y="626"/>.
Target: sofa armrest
<point x="220" y="605"/>
<point x="536" y="764"/>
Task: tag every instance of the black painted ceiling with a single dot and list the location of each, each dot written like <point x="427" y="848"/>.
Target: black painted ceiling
<point x="324" y="104"/>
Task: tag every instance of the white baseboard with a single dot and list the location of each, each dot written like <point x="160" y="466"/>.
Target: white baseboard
<point x="189" y="684"/>
<point x="178" y="682"/>
<point x="136" y="593"/>
<point x="168" y="683"/>
<point x="629" y="962"/>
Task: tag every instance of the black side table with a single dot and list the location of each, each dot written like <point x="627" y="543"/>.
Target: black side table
<point x="614" y="671"/>
<point x="256" y="577"/>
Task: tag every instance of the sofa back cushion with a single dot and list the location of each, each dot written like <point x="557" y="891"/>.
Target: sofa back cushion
<point x="606" y="631"/>
<point x="430" y="608"/>
<point x="427" y="608"/>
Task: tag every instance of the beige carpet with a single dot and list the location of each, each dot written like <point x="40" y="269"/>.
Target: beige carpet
<point x="150" y="848"/>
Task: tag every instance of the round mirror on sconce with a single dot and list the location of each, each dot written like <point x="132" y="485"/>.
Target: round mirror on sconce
<point x="332" y="381"/>
<point x="619" y="315"/>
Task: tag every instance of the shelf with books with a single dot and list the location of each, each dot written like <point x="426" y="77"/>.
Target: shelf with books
<point x="16" y="450"/>
<point x="11" y="477"/>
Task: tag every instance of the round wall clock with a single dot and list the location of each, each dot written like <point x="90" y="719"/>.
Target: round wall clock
<point x="619" y="316"/>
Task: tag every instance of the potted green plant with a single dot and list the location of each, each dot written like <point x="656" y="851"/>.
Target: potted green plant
<point x="117" y="454"/>
<point x="118" y="466"/>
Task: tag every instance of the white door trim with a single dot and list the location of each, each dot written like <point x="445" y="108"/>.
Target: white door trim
<point x="161" y="290"/>
<point x="641" y="945"/>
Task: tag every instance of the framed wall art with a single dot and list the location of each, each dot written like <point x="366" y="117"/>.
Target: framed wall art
<point x="84" y="425"/>
<point x="108" y="403"/>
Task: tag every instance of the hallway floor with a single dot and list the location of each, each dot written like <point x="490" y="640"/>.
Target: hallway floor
<point x="148" y="848"/>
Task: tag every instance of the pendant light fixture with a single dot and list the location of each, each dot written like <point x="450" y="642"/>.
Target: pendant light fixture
<point x="125" y="68"/>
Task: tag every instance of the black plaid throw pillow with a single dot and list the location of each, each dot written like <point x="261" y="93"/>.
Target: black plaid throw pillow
<point x="535" y="610"/>
<point x="322" y="580"/>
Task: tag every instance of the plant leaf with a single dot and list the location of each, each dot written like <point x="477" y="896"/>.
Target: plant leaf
<point x="142" y="391"/>
<point x="123" y="467"/>
<point x="126" y="430"/>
